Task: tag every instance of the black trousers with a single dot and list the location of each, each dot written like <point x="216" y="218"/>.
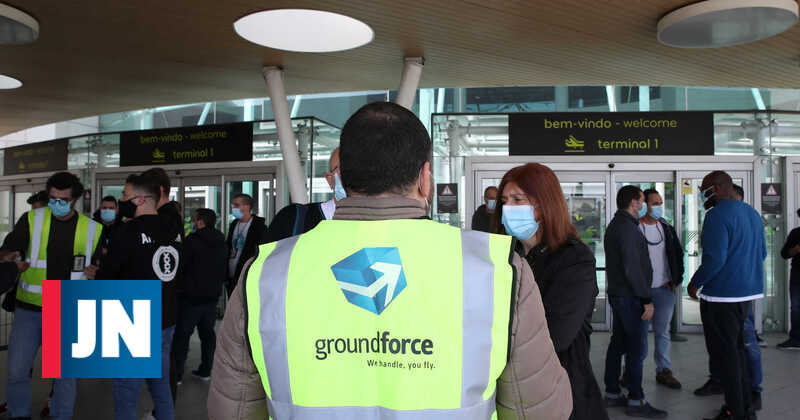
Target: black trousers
<point x="204" y="317"/>
<point x="723" y="327"/>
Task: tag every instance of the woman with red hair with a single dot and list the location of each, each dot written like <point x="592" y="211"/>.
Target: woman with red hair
<point x="534" y="211"/>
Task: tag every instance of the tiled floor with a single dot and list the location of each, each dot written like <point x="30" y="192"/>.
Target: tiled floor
<point x="781" y="384"/>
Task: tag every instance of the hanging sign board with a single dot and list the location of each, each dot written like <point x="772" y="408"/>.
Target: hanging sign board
<point x="48" y="156"/>
<point x="447" y="198"/>
<point x="200" y="144"/>
<point x="611" y="133"/>
<point x="771" y="201"/>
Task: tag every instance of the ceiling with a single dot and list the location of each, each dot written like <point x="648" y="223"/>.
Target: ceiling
<point x="97" y="57"/>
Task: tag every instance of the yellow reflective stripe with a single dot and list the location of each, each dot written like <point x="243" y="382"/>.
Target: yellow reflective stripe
<point x="253" y="302"/>
<point x="499" y="252"/>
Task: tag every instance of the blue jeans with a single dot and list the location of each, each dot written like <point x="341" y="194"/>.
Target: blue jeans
<point x="23" y="344"/>
<point x="664" y="303"/>
<point x="626" y="339"/>
<point x="753" y="351"/>
<point x="126" y="391"/>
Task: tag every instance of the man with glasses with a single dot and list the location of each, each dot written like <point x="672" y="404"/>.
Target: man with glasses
<point x="59" y="243"/>
<point x="145" y="248"/>
<point x="300" y="218"/>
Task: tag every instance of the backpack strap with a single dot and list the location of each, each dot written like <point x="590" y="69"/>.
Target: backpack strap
<point x="299" y="219"/>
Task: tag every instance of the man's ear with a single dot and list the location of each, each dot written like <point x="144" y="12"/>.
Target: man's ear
<point x="426" y="181"/>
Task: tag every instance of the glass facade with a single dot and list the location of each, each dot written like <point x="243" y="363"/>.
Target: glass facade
<point x="473" y="121"/>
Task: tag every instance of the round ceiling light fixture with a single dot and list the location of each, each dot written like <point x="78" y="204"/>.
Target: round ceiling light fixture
<point x="303" y="30"/>
<point x="9" y="82"/>
<point x="722" y="23"/>
<point x="16" y="26"/>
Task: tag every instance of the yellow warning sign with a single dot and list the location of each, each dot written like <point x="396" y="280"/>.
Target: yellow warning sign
<point x="686" y="186"/>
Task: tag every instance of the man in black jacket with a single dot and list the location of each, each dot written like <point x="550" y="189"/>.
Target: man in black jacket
<point x="666" y="258"/>
<point x="482" y="218"/>
<point x="629" y="276"/>
<point x="245" y="234"/>
<point x="145" y="248"/>
<point x="204" y="255"/>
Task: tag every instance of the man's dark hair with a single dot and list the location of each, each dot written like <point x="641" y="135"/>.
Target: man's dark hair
<point x="627" y="194"/>
<point x="161" y="178"/>
<point x="739" y="190"/>
<point x="798" y="212"/>
<point x="130" y="178"/>
<point x="486" y="191"/>
<point x="207" y="216"/>
<point x="148" y="185"/>
<point x="246" y="199"/>
<point x="65" y="181"/>
<point x="110" y="199"/>
<point x="382" y="148"/>
<point x="647" y="193"/>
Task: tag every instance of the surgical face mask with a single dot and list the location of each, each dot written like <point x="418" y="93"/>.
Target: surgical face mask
<point x="194" y="228"/>
<point x="236" y="213"/>
<point x="643" y="210"/>
<point x="127" y="209"/>
<point x="59" y="207"/>
<point x="657" y="212"/>
<point x="706" y="194"/>
<point x="520" y="222"/>
<point x="108" y="215"/>
<point x="491" y="204"/>
<point x="338" y="188"/>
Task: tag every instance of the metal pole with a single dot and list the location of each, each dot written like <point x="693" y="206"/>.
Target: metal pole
<point x="409" y="81"/>
<point x="291" y="159"/>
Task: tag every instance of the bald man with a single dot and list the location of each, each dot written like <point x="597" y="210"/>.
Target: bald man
<point x="295" y="219"/>
<point x="729" y="279"/>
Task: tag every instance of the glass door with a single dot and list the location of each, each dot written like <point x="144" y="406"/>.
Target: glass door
<point x="261" y="188"/>
<point x="199" y="193"/>
<point x="692" y="215"/>
<point x="6" y="221"/>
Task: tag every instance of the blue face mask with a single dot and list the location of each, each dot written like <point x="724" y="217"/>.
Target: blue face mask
<point x="194" y="227"/>
<point x="491" y="204"/>
<point x="235" y="212"/>
<point x="520" y="222"/>
<point x="657" y="212"/>
<point x="643" y="211"/>
<point x="108" y="215"/>
<point x="60" y="208"/>
<point x="338" y="188"/>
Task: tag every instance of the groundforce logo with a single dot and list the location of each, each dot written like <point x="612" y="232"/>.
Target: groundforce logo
<point x="381" y="343"/>
<point x="371" y="278"/>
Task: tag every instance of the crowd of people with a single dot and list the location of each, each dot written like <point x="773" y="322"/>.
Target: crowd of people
<point x="529" y="359"/>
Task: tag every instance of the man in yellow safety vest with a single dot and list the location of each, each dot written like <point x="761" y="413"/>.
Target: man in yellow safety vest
<point x="383" y="313"/>
<point x="58" y="243"/>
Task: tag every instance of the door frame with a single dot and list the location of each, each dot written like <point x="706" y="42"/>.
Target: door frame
<point x="618" y="169"/>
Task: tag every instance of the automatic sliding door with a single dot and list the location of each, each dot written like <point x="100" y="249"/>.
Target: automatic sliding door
<point x="692" y="217"/>
<point x="586" y="194"/>
<point x="261" y="187"/>
<point x="199" y="193"/>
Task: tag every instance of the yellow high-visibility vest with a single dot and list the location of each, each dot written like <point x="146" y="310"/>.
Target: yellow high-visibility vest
<point x="87" y="236"/>
<point x="401" y="319"/>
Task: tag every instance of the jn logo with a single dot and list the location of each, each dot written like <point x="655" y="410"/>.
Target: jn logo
<point x="371" y="278"/>
<point x="101" y="329"/>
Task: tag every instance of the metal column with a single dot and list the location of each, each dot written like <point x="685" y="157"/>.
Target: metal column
<point x="291" y="159"/>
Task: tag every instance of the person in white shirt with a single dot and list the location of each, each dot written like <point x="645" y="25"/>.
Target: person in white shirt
<point x="666" y="258"/>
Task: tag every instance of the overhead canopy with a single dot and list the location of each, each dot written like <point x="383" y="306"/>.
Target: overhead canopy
<point x="99" y="57"/>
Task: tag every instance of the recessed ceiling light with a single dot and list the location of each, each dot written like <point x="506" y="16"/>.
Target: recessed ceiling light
<point x="9" y="82"/>
<point x="722" y="23"/>
<point x="16" y="26"/>
<point x="303" y="30"/>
